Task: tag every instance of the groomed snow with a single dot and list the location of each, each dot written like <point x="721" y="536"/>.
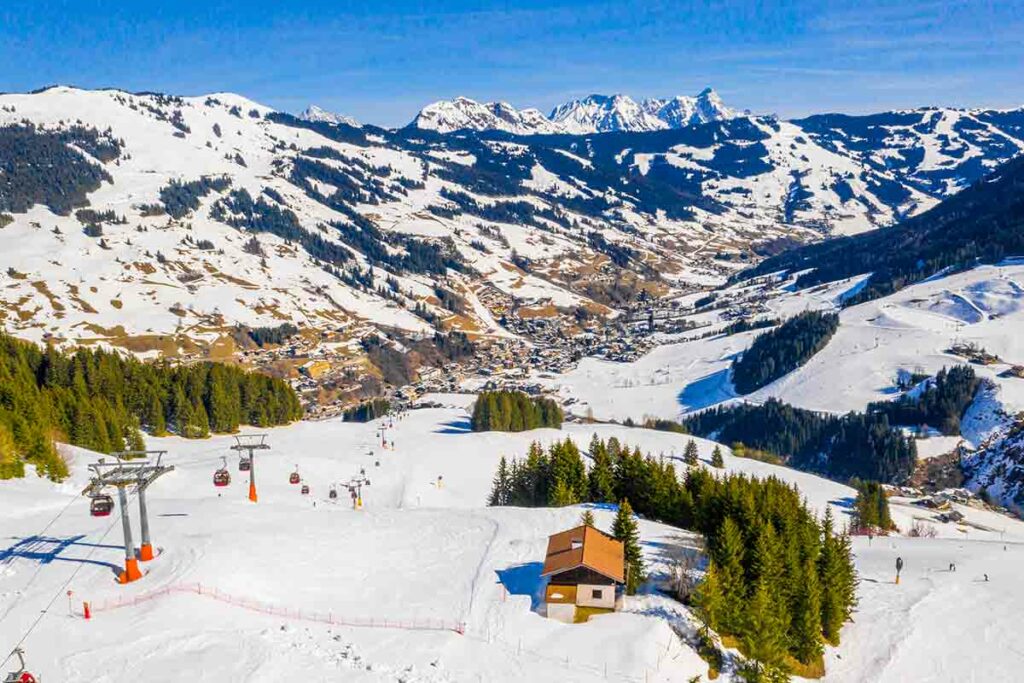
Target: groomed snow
<point x="420" y="552"/>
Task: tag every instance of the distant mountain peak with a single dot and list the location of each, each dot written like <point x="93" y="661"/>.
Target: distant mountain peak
<point x="595" y="113"/>
<point x="315" y="113"/>
<point x="461" y="113"/>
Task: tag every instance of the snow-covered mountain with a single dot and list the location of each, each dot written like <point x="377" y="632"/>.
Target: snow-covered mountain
<point x="602" y="114"/>
<point x="462" y="113"/>
<point x="167" y="220"/>
<point x="591" y="114"/>
<point x="315" y="113"/>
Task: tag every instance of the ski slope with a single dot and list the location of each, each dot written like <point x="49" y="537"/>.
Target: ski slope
<point x="419" y="554"/>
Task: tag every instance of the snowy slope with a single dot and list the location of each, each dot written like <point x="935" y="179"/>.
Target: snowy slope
<point x="910" y="331"/>
<point x="417" y="552"/>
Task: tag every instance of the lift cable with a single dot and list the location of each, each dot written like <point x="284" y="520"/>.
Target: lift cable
<point x="61" y="590"/>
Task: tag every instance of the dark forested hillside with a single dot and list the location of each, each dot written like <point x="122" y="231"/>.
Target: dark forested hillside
<point x="982" y="224"/>
<point x="101" y="400"/>
<point x="940" y="404"/>
<point x="39" y="166"/>
<point x="854" y="445"/>
<point x="782" y="350"/>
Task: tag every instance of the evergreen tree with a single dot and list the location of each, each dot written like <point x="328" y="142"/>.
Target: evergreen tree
<point x="764" y="633"/>
<point x="805" y="638"/>
<point x="710" y="599"/>
<point x="601" y="479"/>
<point x="690" y="454"/>
<point x="500" y="488"/>
<point x="716" y="457"/>
<point x="587" y="518"/>
<point x="728" y="551"/>
<point x="835" y="581"/>
<point x="562" y="494"/>
<point x="625" y="529"/>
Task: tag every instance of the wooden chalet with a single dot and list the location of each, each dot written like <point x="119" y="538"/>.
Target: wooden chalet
<point x="585" y="569"/>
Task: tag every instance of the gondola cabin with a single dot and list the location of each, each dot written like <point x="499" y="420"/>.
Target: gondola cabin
<point x="221" y="478"/>
<point x="586" y="573"/>
<point x="101" y="506"/>
<point x="293" y="478"/>
<point x="305" y="489"/>
<point x="244" y="465"/>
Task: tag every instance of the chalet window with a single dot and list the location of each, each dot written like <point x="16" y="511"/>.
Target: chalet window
<point x="597" y="593"/>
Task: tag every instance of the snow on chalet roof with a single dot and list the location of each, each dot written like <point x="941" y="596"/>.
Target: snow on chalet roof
<point x="587" y="547"/>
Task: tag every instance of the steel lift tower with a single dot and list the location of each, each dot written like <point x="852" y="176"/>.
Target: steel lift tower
<point x="123" y="475"/>
<point x="251" y="443"/>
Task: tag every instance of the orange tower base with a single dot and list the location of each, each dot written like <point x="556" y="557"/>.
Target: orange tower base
<point x="146" y="552"/>
<point x="252" y="492"/>
<point x="131" y="571"/>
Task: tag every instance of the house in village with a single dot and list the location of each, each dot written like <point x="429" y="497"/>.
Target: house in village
<point x="585" y="569"/>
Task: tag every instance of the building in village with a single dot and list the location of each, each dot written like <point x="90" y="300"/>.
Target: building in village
<point x="586" y="572"/>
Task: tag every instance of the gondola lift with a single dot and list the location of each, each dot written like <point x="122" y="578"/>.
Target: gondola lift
<point x="305" y="489"/>
<point x="101" y="505"/>
<point x="244" y="464"/>
<point x="222" y="477"/>
<point x="294" y="478"/>
<point x="333" y="493"/>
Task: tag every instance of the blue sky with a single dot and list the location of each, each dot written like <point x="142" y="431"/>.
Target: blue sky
<point x="380" y="62"/>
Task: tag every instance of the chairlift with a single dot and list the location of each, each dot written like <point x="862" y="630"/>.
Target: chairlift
<point x="222" y="477"/>
<point x="20" y="676"/>
<point x="305" y="489"/>
<point x="244" y="465"/>
<point x="101" y="505"/>
<point x="294" y="478"/>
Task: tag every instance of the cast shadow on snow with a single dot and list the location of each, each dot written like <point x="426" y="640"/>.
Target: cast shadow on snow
<point x="524" y="579"/>
<point x="457" y="426"/>
<point x="47" y="549"/>
<point x="706" y="391"/>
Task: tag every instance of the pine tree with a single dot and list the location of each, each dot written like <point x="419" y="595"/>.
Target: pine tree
<point x="728" y="551"/>
<point x="716" y="458"/>
<point x="805" y="638"/>
<point x="836" y="582"/>
<point x="561" y="495"/>
<point x="601" y="479"/>
<point x="764" y="631"/>
<point x="587" y="518"/>
<point x="500" y="488"/>
<point x="690" y="454"/>
<point x="625" y="529"/>
<point x="709" y="599"/>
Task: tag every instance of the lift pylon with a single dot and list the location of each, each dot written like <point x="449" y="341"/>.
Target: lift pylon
<point x="122" y="475"/>
<point x="251" y="443"/>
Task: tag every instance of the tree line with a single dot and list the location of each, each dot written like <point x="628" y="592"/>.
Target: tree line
<point x="366" y="411"/>
<point x="871" y="508"/>
<point x="782" y="350"/>
<point x="864" y="445"/>
<point x="940" y="404"/>
<point x="514" y="411"/>
<point x="779" y="581"/>
<point x="102" y="401"/>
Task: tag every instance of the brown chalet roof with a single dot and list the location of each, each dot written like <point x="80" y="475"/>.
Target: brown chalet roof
<point x="593" y="549"/>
